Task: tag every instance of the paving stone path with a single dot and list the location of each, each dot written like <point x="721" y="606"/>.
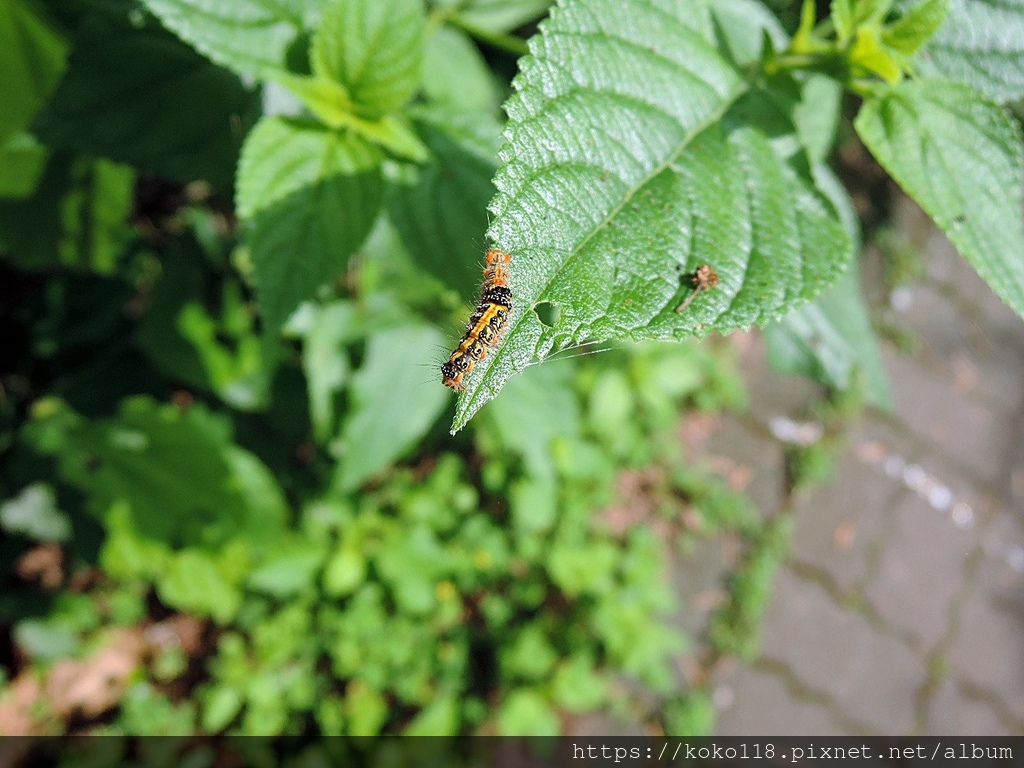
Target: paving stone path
<point x="901" y="608"/>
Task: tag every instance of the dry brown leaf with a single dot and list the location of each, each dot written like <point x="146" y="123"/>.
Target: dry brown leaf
<point x="43" y="564"/>
<point x="93" y="685"/>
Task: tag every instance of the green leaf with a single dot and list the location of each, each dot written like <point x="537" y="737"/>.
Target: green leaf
<point x="437" y="206"/>
<point x="393" y="133"/>
<point x="325" y="98"/>
<point x="78" y="216"/>
<point x="916" y="26"/>
<point x="221" y="706"/>
<point x="267" y="509"/>
<point x="691" y="714"/>
<point x="740" y="29"/>
<point x="248" y="36"/>
<point x="374" y="48"/>
<point x="526" y="713"/>
<point x="345" y="571"/>
<point x="219" y="354"/>
<point x="46" y="640"/>
<point x="173" y="473"/>
<point x="578" y="687"/>
<point x="871" y="12"/>
<point x="804" y="39"/>
<point x="193" y="581"/>
<point x="31" y="228"/>
<point x="326" y="365"/>
<point x="312" y="196"/>
<point x="32" y="58"/>
<point x="817" y="114"/>
<point x="127" y="555"/>
<point x="842" y="18"/>
<point x="366" y="709"/>
<point x="439" y="718"/>
<point x="390" y="407"/>
<point x="499" y="15"/>
<point x="281" y="157"/>
<point x="230" y="354"/>
<point x="831" y="339"/>
<point x="22" y="161"/>
<point x="105" y="108"/>
<point x="410" y="565"/>
<point x="868" y="56"/>
<point x="330" y="102"/>
<point x="34" y="513"/>
<point x="528" y="655"/>
<point x="959" y="156"/>
<point x="534" y="504"/>
<point x="624" y="172"/>
<point x="288" y="571"/>
<point x="538" y="407"/>
<point x="456" y="74"/>
<point x="981" y="44"/>
<point x="95" y="215"/>
<point x="583" y="569"/>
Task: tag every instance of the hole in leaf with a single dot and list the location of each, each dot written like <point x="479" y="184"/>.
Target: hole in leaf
<point x="547" y="313"/>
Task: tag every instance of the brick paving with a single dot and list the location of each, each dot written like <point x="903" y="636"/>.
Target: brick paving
<point x="901" y="608"/>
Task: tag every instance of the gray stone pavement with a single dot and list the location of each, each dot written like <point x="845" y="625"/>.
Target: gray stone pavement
<point x="901" y="608"/>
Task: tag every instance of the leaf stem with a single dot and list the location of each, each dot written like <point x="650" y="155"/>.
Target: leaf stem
<point x="509" y="43"/>
<point x="790" y="61"/>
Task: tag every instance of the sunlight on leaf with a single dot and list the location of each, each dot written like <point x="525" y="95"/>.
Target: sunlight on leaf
<point x="623" y="171"/>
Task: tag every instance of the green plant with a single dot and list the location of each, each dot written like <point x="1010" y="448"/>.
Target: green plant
<point x="231" y="412"/>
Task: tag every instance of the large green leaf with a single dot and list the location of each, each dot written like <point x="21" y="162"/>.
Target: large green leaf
<point x="311" y="196"/>
<point x="171" y="112"/>
<point x="959" y="156"/>
<point x="981" y="43"/>
<point x="32" y="58"/>
<point x="392" y="405"/>
<point x="374" y="48"/>
<point x="247" y="36"/>
<point x="624" y="170"/>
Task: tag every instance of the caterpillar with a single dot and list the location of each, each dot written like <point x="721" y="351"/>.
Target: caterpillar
<point x="496" y="269"/>
<point x="487" y="323"/>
